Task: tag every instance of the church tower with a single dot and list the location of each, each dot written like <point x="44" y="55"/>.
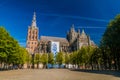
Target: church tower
<point x="71" y="35"/>
<point x="32" y="36"/>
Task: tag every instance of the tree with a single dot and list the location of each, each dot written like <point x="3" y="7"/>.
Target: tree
<point x="67" y="58"/>
<point x="82" y="56"/>
<point x="111" y="42"/>
<point x="37" y="59"/>
<point x="44" y="59"/>
<point x="60" y="58"/>
<point x="21" y="56"/>
<point x="4" y="40"/>
<point x="51" y="58"/>
<point x="11" y="53"/>
<point x="74" y="58"/>
<point x="8" y="48"/>
<point x="28" y="60"/>
<point x="96" y="59"/>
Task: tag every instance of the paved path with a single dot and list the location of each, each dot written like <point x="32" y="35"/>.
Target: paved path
<point x="55" y="74"/>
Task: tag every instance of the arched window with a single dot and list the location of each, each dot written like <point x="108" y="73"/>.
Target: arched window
<point x="33" y="32"/>
<point x="32" y="37"/>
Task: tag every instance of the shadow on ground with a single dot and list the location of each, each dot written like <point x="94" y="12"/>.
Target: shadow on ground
<point x="106" y="72"/>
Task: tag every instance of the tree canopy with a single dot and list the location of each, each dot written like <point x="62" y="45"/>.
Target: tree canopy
<point x="110" y="43"/>
<point x="10" y="51"/>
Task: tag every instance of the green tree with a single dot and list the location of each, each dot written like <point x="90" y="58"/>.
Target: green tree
<point x="8" y="47"/>
<point x="82" y="56"/>
<point x="44" y="60"/>
<point x="10" y="51"/>
<point x="96" y="60"/>
<point x="51" y="58"/>
<point x="67" y="58"/>
<point x="60" y="58"/>
<point x="74" y="58"/>
<point x="21" y="56"/>
<point x="111" y="42"/>
<point x="4" y="43"/>
<point x="37" y="59"/>
<point x="28" y="60"/>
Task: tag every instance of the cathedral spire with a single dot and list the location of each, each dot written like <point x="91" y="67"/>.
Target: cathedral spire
<point x="83" y="32"/>
<point x="79" y="31"/>
<point x="34" y="25"/>
<point x="72" y="28"/>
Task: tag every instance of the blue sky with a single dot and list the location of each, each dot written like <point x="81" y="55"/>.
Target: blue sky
<point x="55" y="17"/>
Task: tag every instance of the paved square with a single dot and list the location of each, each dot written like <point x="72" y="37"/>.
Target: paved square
<point x="56" y="74"/>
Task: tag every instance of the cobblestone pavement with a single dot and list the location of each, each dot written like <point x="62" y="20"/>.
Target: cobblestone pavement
<point x="55" y="74"/>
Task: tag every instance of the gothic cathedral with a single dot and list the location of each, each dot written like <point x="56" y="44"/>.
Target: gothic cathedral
<point x="73" y="41"/>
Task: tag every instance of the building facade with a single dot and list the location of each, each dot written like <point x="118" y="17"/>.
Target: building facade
<point x="74" y="40"/>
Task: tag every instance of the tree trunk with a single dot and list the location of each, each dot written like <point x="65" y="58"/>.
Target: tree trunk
<point x="91" y="66"/>
<point x="37" y="65"/>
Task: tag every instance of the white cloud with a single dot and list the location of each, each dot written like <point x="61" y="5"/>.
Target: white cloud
<point x="91" y="27"/>
<point x="76" y="17"/>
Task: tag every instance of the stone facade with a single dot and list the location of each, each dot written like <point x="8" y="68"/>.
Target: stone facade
<point x="77" y="40"/>
<point x="44" y="44"/>
<point x="73" y="41"/>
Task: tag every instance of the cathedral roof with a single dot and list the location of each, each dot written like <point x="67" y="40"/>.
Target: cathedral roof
<point x="50" y="38"/>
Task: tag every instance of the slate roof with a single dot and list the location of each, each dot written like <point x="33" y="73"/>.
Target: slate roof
<point x="50" y="38"/>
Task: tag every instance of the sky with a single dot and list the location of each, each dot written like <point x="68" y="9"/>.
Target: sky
<point x="55" y="17"/>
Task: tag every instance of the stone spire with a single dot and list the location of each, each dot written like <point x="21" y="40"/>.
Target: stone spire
<point x="34" y="25"/>
<point x="78" y="32"/>
<point x="72" y="28"/>
<point x="83" y="32"/>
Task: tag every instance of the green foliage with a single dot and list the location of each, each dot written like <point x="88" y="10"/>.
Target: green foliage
<point x="22" y="55"/>
<point x="50" y="58"/>
<point x="74" y="58"/>
<point x="82" y="56"/>
<point x="110" y="43"/>
<point x="44" y="58"/>
<point x="67" y="58"/>
<point x="10" y="51"/>
<point x="60" y="58"/>
<point x="37" y="58"/>
<point x="28" y="58"/>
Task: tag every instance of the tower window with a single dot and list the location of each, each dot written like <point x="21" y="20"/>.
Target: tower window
<point x="32" y="37"/>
